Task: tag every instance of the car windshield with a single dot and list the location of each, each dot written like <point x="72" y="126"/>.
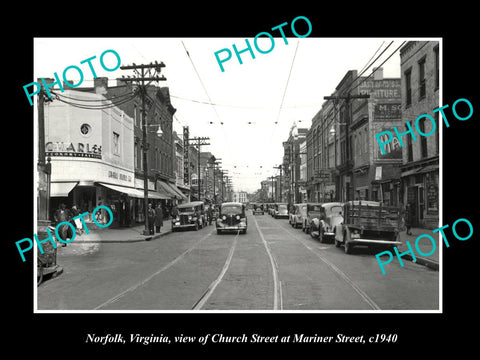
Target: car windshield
<point x="186" y="209"/>
<point x="231" y="210"/>
<point x="282" y="207"/>
<point x="315" y="208"/>
<point x="334" y="210"/>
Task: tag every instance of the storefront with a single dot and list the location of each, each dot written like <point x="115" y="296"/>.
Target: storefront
<point x="420" y="189"/>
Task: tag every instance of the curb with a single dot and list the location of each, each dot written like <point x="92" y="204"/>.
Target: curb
<point x="145" y="238"/>
<point x="432" y="264"/>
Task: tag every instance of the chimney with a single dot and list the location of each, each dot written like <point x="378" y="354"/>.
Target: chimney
<point x="100" y="85"/>
<point x="378" y="73"/>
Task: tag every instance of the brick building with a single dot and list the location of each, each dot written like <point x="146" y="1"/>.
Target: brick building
<point x="420" y="77"/>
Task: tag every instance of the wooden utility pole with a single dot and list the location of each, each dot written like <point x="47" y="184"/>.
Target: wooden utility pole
<point x="201" y="141"/>
<point x="348" y="120"/>
<point x="144" y="73"/>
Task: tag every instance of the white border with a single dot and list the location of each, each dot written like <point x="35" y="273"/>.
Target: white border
<point x="439" y="311"/>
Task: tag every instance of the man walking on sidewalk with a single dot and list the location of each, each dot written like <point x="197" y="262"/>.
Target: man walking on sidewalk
<point x="151" y="219"/>
<point x="158" y="218"/>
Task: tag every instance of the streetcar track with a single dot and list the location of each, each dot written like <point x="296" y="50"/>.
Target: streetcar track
<point x="339" y="272"/>
<point x="277" y="291"/>
<point x="211" y="288"/>
<point x="147" y="279"/>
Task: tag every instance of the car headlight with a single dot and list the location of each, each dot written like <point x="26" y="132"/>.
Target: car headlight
<point x="224" y="218"/>
<point x="355" y="234"/>
<point x="237" y="217"/>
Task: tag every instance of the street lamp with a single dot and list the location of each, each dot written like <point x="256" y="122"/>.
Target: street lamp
<point x="332" y="129"/>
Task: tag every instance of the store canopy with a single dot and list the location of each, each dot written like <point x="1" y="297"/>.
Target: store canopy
<point x="164" y="187"/>
<point x="61" y="189"/>
<point x="132" y="192"/>
<point x="179" y="195"/>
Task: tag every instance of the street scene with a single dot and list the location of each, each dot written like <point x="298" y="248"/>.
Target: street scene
<point x="271" y="267"/>
<point x="303" y="180"/>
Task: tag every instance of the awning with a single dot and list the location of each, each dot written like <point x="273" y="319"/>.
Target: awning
<point x="132" y="192"/>
<point x="420" y="170"/>
<point x="61" y="189"/>
<point x="179" y="195"/>
<point x="164" y="188"/>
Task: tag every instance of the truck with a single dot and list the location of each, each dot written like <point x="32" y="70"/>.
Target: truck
<point x="368" y="223"/>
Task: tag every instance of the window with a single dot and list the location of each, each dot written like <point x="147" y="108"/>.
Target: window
<point x="421" y="79"/>
<point x="423" y="139"/>
<point x="116" y="143"/>
<point x="408" y="87"/>
<point x="409" y="147"/>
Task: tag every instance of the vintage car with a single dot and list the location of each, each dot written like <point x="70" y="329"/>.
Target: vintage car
<point x="297" y="215"/>
<point x="232" y="217"/>
<point x="313" y="211"/>
<point x="280" y="211"/>
<point x="368" y="223"/>
<point x="257" y="209"/>
<point x="190" y="215"/>
<point x="324" y="226"/>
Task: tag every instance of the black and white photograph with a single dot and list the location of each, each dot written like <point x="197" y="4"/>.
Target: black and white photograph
<point x="272" y="188"/>
<point x="213" y="148"/>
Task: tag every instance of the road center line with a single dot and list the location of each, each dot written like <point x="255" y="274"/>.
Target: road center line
<point x="201" y="302"/>
<point x="144" y="281"/>
<point x="276" y="288"/>
<point x="349" y="281"/>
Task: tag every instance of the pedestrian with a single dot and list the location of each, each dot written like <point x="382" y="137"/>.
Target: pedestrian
<point x="409" y="217"/>
<point x="209" y="214"/>
<point x="158" y="218"/>
<point x="174" y="211"/>
<point x="62" y="214"/>
<point x="151" y="219"/>
<point x="77" y="223"/>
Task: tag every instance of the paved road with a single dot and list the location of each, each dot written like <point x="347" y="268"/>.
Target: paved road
<point x="272" y="267"/>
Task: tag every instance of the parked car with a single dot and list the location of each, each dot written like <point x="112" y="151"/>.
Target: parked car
<point x="232" y="217"/>
<point x="313" y="211"/>
<point x="257" y="209"/>
<point x="190" y="215"/>
<point x="330" y="216"/>
<point x="297" y="215"/>
<point x="281" y="211"/>
<point x="368" y="223"/>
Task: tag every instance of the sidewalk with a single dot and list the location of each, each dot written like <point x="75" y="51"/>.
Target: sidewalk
<point x="424" y="245"/>
<point x="121" y="234"/>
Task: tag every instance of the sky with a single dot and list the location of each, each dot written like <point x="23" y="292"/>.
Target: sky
<point x="248" y="110"/>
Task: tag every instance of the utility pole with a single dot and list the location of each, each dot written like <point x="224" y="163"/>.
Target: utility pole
<point x="348" y="120"/>
<point x="214" y="161"/>
<point x="201" y="141"/>
<point x="280" y="190"/>
<point x="143" y="73"/>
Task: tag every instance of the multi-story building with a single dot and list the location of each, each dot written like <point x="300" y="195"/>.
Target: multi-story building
<point x="179" y="171"/>
<point x="321" y="156"/>
<point x="160" y="147"/>
<point x="343" y="159"/>
<point x="92" y="153"/>
<point x="240" y="196"/>
<point x="292" y="186"/>
<point x="376" y="176"/>
<point x="420" y="81"/>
